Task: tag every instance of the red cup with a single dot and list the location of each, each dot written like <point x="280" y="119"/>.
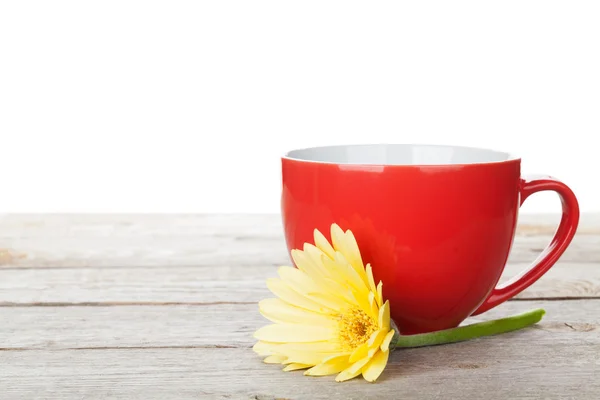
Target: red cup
<point x="436" y="223"/>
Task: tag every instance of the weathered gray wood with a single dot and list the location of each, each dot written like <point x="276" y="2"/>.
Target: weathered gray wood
<point x="220" y="325"/>
<point x="528" y="364"/>
<point x="93" y="306"/>
<point x="222" y="283"/>
<point x="563" y="280"/>
<point x="63" y="241"/>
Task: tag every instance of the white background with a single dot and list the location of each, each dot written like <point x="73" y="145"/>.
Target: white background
<point x="186" y="106"/>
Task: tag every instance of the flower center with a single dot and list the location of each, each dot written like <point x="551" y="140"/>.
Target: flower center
<point x="355" y="328"/>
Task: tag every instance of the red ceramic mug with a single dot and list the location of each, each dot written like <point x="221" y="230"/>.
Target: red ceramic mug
<point x="436" y="223"/>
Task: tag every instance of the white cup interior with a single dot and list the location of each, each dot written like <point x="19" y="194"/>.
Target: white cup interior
<point x="399" y="154"/>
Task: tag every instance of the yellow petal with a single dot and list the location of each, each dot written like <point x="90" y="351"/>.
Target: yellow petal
<point x="274" y="359"/>
<point x="359" y="353"/>
<point x="265" y="348"/>
<point x="352" y="254"/>
<point x="337" y="237"/>
<point x="376" y="338"/>
<point x="309" y="262"/>
<point x="305" y="263"/>
<point x="297" y="279"/>
<point x="352" y="371"/>
<point x="361" y="281"/>
<point x="357" y="366"/>
<point x="376" y="366"/>
<point x="295" y="366"/>
<point x="385" y="345"/>
<point x="310" y="358"/>
<point x="345" y="375"/>
<point x="372" y="352"/>
<point x="331" y="365"/>
<point x="290" y="296"/>
<point x="329" y="301"/>
<point x="371" y="282"/>
<point x="343" y="273"/>
<point x="336" y="272"/>
<point x="279" y="311"/>
<point x="380" y="293"/>
<point x="323" y="245"/>
<point x="363" y="304"/>
<point x="317" y="347"/>
<point x="310" y="258"/>
<point x="300" y="282"/>
<point x="284" y="333"/>
<point x="373" y="304"/>
<point x="341" y="291"/>
<point x="384" y="316"/>
<point x="345" y="243"/>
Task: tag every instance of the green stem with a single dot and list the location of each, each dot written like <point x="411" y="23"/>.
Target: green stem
<point x="472" y="331"/>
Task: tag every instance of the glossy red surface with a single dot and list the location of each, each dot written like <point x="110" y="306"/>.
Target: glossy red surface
<point x="437" y="236"/>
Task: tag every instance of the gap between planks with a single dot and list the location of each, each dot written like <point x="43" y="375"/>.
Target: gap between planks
<point x="208" y="346"/>
<point x="122" y="304"/>
<point x="199" y="304"/>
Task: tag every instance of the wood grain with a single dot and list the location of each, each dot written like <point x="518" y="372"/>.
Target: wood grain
<point x="216" y="325"/>
<point x="528" y="364"/>
<point x="164" y="307"/>
<point x="221" y="283"/>
<point x="94" y="241"/>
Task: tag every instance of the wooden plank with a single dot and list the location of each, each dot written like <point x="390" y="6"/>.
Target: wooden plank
<point x="219" y="325"/>
<point x="461" y="371"/>
<point x="220" y="263"/>
<point x="549" y="361"/>
<point x="67" y="240"/>
<point x="222" y="284"/>
<point x="70" y="241"/>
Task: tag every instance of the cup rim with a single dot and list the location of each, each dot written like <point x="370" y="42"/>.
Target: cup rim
<point x="510" y="156"/>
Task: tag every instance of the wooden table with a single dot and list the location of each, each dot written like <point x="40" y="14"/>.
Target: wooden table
<point x="164" y="307"/>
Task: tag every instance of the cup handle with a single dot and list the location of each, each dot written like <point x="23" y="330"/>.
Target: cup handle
<point x="562" y="238"/>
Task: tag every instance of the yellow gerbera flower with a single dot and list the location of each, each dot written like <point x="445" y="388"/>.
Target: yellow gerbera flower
<point x="329" y="316"/>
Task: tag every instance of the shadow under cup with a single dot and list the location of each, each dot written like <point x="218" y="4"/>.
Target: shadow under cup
<point x="436" y="223"/>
